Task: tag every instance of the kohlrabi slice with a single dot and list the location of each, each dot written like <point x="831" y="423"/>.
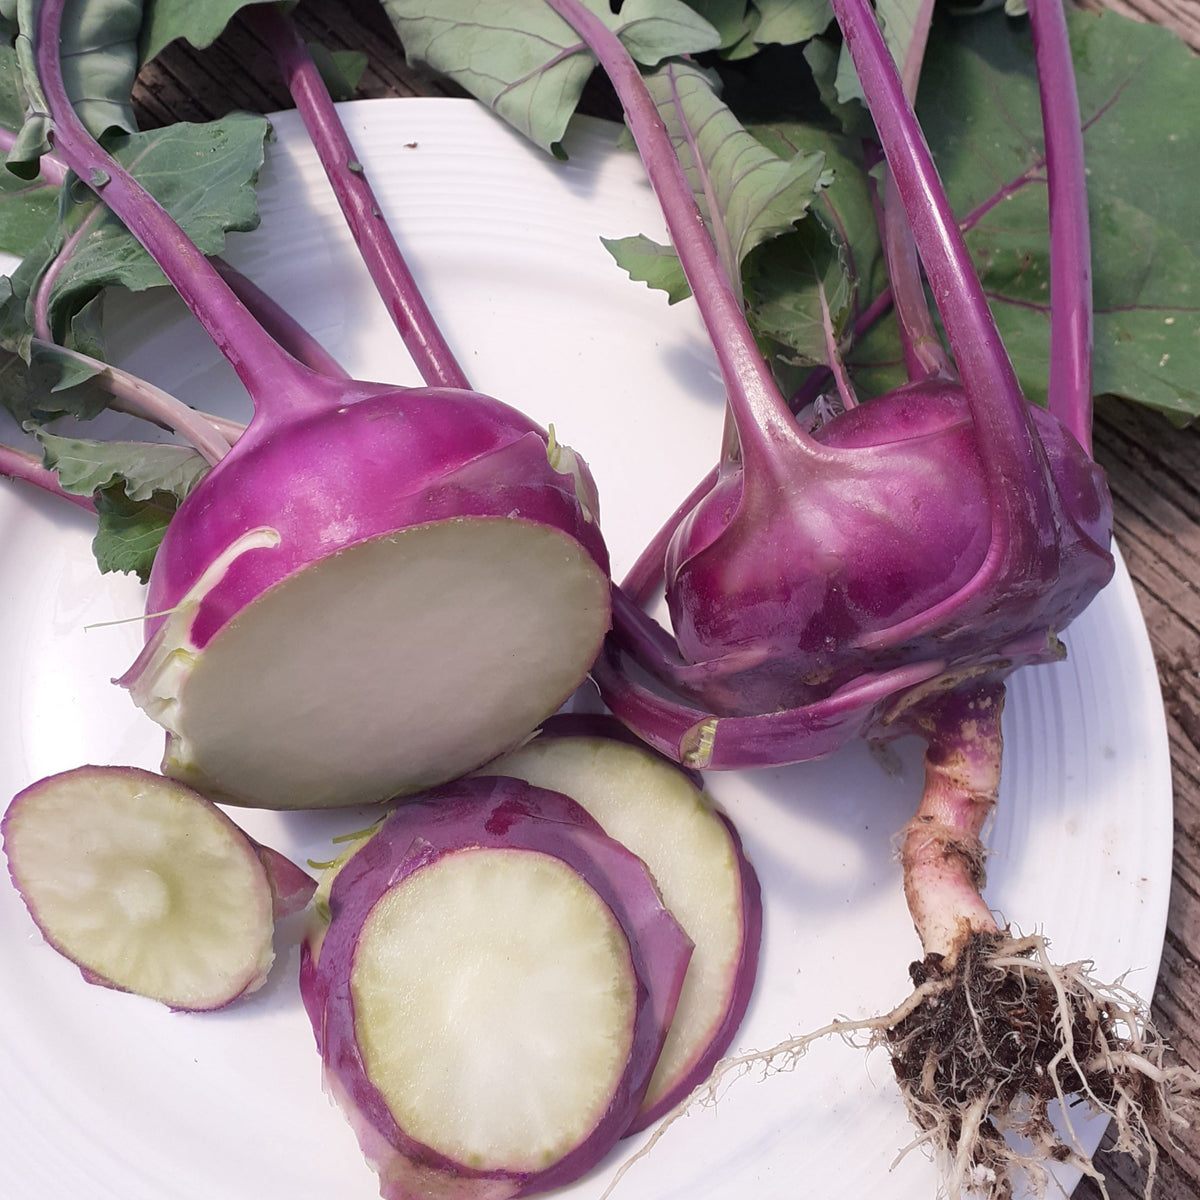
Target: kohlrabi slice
<point x="490" y="983"/>
<point x="493" y="989"/>
<point x="147" y="886"/>
<point x="653" y="807"/>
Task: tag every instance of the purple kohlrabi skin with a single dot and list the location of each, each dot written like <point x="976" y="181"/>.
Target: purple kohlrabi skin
<point x="392" y="460"/>
<point x="778" y="597"/>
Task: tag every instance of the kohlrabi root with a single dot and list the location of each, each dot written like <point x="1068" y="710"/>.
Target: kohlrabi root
<point x="987" y="1046"/>
<point x="998" y="1056"/>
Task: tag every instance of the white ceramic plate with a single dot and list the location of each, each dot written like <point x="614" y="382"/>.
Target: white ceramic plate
<point x="106" y="1095"/>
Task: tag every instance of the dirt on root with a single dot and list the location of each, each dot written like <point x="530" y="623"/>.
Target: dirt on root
<point x="995" y="1039"/>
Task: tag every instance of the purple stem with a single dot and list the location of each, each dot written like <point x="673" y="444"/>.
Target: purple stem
<point x="138" y="398"/>
<point x="646" y="574"/>
<point x="914" y="56"/>
<point x="279" y="385"/>
<point x="280" y="324"/>
<point x="924" y="354"/>
<point x="41" y="302"/>
<point x="1008" y="445"/>
<point x="763" y="421"/>
<point x="18" y="464"/>
<point x="717" y="226"/>
<point x="1070" y="385"/>
<point x="385" y="263"/>
<point x="834" y="354"/>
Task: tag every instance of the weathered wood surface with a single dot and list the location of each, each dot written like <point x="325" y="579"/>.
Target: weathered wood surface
<point x="1153" y="467"/>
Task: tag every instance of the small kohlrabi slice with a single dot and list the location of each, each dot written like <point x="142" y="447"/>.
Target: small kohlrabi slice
<point x="490" y="984"/>
<point x="653" y="807"/>
<point x="147" y="886"/>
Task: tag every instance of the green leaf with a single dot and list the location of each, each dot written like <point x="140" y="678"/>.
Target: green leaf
<point x="651" y="263"/>
<point x="28" y="206"/>
<point x="98" y="53"/>
<point x="734" y="20"/>
<point x="198" y="23"/>
<point x="784" y="282"/>
<point x="33" y="391"/>
<point x="27" y="209"/>
<point x="128" y="532"/>
<point x="746" y="192"/>
<point x="340" y="70"/>
<point x="655" y="30"/>
<point x="204" y="175"/>
<point x="897" y="19"/>
<point x="100" y="60"/>
<point x="85" y="466"/>
<point x="824" y="58"/>
<point x="525" y="62"/>
<point x="137" y="486"/>
<point x="1139" y="89"/>
<point x="840" y="252"/>
<point x="786" y="22"/>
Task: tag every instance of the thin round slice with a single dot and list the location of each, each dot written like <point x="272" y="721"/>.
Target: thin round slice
<point x="491" y="988"/>
<point x="652" y="806"/>
<point x="145" y="885"/>
<point x="490" y="985"/>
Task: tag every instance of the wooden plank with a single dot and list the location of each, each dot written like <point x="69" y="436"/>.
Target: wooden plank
<point x="1181" y="15"/>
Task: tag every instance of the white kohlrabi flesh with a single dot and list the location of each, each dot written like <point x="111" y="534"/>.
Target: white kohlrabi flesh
<point x="493" y="989"/>
<point x="147" y="886"/>
<point x="401" y="661"/>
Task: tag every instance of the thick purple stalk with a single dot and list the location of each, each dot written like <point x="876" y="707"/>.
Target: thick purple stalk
<point x="280" y="324"/>
<point x="764" y="424"/>
<point x="45" y="287"/>
<point x="706" y="742"/>
<point x="390" y="273"/>
<point x="279" y="385"/>
<point x="923" y="352"/>
<point x="1010" y="452"/>
<point x="1070" y="387"/>
<point x="646" y="575"/>
<point x="834" y="355"/>
<point x="18" y="464"/>
<point x="982" y="359"/>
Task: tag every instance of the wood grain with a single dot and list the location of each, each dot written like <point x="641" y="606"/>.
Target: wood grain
<point x="1153" y="469"/>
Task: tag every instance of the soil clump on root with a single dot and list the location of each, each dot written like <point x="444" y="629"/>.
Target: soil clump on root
<point x="988" y="1043"/>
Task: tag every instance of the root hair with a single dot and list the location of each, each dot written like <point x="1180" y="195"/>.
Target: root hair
<point x="983" y="1048"/>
